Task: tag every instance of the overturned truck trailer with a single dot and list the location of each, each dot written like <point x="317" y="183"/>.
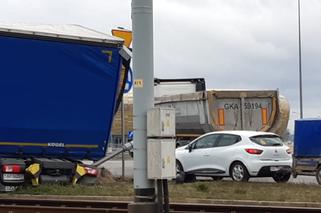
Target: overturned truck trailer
<point x="58" y="86"/>
<point x="213" y="110"/>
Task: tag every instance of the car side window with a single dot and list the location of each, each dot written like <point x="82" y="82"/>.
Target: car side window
<point x="205" y="142"/>
<point x="227" y="140"/>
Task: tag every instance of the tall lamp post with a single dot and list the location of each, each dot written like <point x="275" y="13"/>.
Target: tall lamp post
<point x="300" y="64"/>
<point x="143" y="64"/>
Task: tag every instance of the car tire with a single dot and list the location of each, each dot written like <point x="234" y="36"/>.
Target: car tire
<point x="318" y="175"/>
<point x="217" y="178"/>
<point x="281" y="177"/>
<point x="180" y="174"/>
<point x="189" y="178"/>
<point x="239" y="173"/>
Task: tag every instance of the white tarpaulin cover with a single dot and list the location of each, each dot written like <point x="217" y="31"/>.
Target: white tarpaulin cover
<point x="67" y="31"/>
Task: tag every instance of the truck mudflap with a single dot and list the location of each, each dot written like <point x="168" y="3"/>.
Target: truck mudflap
<point x="83" y="171"/>
<point x="59" y="171"/>
<point x="34" y="172"/>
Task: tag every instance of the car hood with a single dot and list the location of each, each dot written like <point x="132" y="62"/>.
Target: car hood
<point x="182" y="147"/>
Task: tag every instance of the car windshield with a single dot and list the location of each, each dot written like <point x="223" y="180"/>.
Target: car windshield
<point x="267" y="140"/>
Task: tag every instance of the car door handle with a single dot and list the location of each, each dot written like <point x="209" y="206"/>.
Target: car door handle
<point x="206" y="155"/>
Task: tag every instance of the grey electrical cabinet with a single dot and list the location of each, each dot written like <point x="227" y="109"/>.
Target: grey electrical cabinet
<point x="161" y="122"/>
<point x="161" y="161"/>
<point x="161" y="158"/>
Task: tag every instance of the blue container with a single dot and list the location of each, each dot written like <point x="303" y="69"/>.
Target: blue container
<point x="57" y="96"/>
<point x="307" y="138"/>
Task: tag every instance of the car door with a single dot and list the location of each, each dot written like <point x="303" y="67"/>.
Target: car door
<point x="223" y="152"/>
<point x="196" y="159"/>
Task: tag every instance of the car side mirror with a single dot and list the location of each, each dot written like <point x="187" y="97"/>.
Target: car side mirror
<point x="190" y="148"/>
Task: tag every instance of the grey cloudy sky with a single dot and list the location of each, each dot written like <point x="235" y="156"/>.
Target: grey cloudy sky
<point x="233" y="44"/>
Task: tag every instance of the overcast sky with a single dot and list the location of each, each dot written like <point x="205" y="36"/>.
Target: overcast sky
<point x="233" y="44"/>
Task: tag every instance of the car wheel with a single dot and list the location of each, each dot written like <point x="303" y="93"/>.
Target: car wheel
<point x="180" y="174"/>
<point x="318" y="175"/>
<point x="281" y="177"/>
<point x="239" y="172"/>
<point x="190" y="178"/>
<point x="217" y="178"/>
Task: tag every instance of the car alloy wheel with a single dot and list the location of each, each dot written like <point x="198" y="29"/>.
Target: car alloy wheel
<point x="239" y="172"/>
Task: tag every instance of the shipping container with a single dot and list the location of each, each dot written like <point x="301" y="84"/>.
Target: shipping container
<point x="213" y="110"/>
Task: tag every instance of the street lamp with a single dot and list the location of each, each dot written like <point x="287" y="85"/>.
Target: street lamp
<point x="300" y="64"/>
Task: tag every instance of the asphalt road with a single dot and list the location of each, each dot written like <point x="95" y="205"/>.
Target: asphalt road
<point x="115" y="167"/>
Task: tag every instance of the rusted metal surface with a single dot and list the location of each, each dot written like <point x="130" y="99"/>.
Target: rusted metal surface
<point x="86" y="206"/>
<point x="52" y="209"/>
<point x="63" y="202"/>
<point x="239" y="208"/>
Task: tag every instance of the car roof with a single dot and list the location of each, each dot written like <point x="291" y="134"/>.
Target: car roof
<point x="245" y="133"/>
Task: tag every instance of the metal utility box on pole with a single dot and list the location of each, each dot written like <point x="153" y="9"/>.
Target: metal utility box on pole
<point x="161" y="161"/>
<point x="143" y="66"/>
<point x="161" y="143"/>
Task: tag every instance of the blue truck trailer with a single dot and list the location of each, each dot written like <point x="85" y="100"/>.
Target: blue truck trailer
<point x="307" y="148"/>
<point x="58" y="88"/>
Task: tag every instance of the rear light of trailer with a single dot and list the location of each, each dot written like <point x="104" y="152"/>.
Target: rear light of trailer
<point x="91" y="171"/>
<point x="12" y="168"/>
<point x="254" y="151"/>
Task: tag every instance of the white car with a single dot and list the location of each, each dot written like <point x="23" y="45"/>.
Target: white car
<point x="236" y="154"/>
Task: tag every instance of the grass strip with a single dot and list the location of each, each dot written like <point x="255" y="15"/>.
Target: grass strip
<point x="225" y="190"/>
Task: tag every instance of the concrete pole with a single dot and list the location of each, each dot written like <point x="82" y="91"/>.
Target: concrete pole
<point x="143" y="66"/>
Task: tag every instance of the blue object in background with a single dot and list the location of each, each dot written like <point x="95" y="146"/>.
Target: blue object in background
<point x="130" y="135"/>
<point x="129" y="81"/>
<point x="307" y="138"/>
<point x="57" y="98"/>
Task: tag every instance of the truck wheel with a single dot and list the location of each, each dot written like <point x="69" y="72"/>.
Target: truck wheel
<point x="281" y="177"/>
<point x="180" y="174"/>
<point x="88" y="180"/>
<point x="318" y="175"/>
<point x="239" y="173"/>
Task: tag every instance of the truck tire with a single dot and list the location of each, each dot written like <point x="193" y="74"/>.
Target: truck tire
<point x="239" y="173"/>
<point x="318" y="175"/>
<point x="88" y="180"/>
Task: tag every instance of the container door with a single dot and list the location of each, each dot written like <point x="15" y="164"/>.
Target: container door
<point x="228" y="113"/>
<point x="256" y="112"/>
